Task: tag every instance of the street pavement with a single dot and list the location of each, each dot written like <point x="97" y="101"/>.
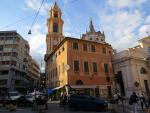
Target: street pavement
<point x="53" y="107"/>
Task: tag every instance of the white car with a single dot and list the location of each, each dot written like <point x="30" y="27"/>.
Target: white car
<point x="30" y="98"/>
<point x="14" y="95"/>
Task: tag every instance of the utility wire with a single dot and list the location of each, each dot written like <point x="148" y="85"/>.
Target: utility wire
<point x="36" y="14"/>
<point x="18" y="21"/>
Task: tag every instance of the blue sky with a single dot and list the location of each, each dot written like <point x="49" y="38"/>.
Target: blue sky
<point x="123" y="21"/>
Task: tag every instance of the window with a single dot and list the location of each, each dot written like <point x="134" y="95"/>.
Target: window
<point x="76" y="65"/>
<point x="94" y="67"/>
<point x="1" y="47"/>
<point x="63" y="48"/>
<point x="86" y="66"/>
<point x="90" y="38"/>
<point x="143" y="70"/>
<point x="106" y="68"/>
<point x="56" y="14"/>
<point x="75" y="45"/>
<point x="148" y="51"/>
<point x="84" y="47"/>
<point x="55" y="27"/>
<point x="3" y="82"/>
<point x="56" y="71"/>
<point x="104" y="50"/>
<point x="93" y="49"/>
<point x="63" y="67"/>
<point x="4" y="72"/>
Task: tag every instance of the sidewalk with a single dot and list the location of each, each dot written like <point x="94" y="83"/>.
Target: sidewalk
<point x="128" y="108"/>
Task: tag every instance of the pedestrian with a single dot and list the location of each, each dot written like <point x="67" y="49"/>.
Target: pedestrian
<point x="116" y="97"/>
<point x="148" y="104"/>
<point x="133" y="101"/>
<point x="143" y="101"/>
<point x="64" y="101"/>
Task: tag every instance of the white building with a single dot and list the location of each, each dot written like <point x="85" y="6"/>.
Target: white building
<point x="132" y="68"/>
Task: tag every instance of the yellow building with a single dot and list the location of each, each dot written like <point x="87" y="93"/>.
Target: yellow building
<point x="78" y="65"/>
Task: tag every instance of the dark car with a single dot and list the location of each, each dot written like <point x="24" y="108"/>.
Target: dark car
<point x="86" y="102"/>
<point x="23" y="101"/>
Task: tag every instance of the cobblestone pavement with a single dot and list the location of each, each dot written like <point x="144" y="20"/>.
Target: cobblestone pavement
<point x="53" y="107"/>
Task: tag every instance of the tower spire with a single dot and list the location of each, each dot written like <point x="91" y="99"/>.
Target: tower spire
<point x="91" y="25"/>
<point x="55" y="4"/>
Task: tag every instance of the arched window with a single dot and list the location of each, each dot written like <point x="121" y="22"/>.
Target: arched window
<point x="143" y="70"/>
<point x="79" y="82"/>
<point x="55" y="27"/>
<point x="56" y="14"/>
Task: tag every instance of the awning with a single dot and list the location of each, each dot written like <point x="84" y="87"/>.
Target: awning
<point x="83" y="86"/>
<point x="57" y="87"/>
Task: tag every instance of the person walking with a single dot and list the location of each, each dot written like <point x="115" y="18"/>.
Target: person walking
<point x="64" y="101"/>
<point x="133" y="101"/>
<point x="143" y="101"/>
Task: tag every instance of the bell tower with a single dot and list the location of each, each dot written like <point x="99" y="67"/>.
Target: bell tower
<point x="55" y="28"/>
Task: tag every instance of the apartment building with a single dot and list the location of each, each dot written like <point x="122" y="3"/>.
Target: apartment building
<point x="14" y="55"/>
<point x="33" y="73"/>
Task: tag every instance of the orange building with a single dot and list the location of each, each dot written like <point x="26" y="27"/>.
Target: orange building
<point x="81" y="65"/>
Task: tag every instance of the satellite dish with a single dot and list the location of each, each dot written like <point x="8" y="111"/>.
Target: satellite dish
<point x="67" y="67"/>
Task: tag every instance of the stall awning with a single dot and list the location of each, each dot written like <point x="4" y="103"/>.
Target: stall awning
<point x="57" y="87"/>
<point x="83" y="86"/>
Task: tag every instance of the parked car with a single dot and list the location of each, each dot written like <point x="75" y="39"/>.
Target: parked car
<point x="30" y="98"/>
<point x="13" y="95"/>
<point x="24" y="101"/>
<point x="86" y="102"/>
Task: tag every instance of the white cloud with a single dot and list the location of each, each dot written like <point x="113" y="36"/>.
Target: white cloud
<point x="121" y="25"/>
<point x="144" y="30"/>
<point x="125" y="3"/>
<point x="37" y="41"/>
<point x="35" y="4"/>
<point x="147" y="20"/>
<point x="67" y="34"/>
